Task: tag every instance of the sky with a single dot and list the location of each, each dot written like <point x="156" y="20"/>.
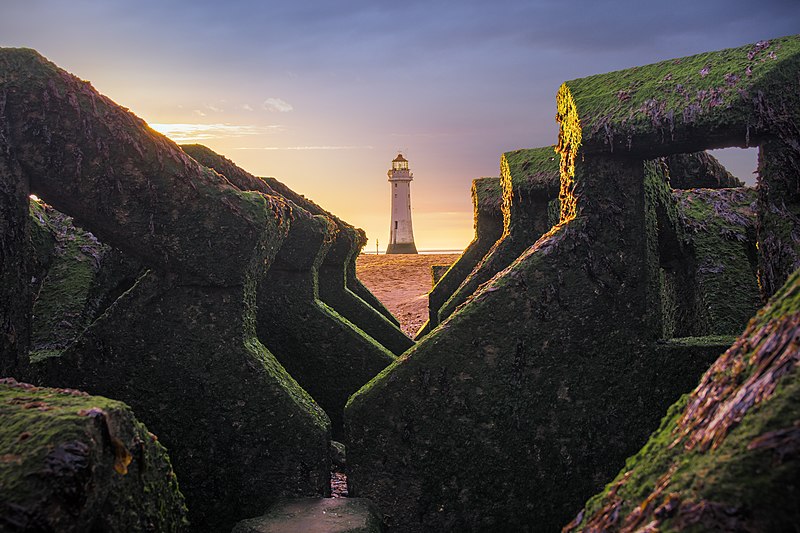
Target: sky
<point x="323" y="95"/>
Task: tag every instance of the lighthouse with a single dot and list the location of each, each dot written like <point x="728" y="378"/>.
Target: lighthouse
<point x="401" y="235"/>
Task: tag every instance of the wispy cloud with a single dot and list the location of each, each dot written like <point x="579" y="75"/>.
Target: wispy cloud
<point x="203" y="132"/>
<point x="247" y="107"/>
<point x="306" y="148"/>
<point x="277" y="104"/>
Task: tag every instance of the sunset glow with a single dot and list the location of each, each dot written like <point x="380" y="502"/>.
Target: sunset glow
<point x="323" y="97"/>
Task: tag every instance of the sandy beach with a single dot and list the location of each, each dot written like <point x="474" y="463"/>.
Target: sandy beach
<point x="402" y="283"/>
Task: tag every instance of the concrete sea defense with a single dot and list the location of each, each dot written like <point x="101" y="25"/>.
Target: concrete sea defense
<point x="73" y="462"/>
<point x="725" y="457"/>
<point x="530" y="394"/>
<point x="487" y="199"/>
<point x="180" y="346"/>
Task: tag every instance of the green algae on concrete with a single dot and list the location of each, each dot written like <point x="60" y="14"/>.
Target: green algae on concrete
<point x="720" y="227"/>
<point x="725" y="457"/>
<point x="180" y="346"/>
<point x="326" y="515"/>
<point x="520" y="403"/>
<point x="329" y="356"/>
<point x="778" y="214"/>
<point x="530" y="180"/>
<point x="732" y="97"/>
<point x="357" y="239"/>
<point x="699" y="169"/>
<point x="70" y="462"/>
<point x="487" y="199"/>
<point x="333" y="291"/>
<point x="80" y="278"/>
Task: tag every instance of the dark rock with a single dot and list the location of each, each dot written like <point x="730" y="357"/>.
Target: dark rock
<point x="71" y="462"/>
<point x="328" y="515"/>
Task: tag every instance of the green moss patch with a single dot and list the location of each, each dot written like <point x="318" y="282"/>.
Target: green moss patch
<point x="73" y="462"/>
<point x="725" y="455"/>
<point x="724" y="98"/>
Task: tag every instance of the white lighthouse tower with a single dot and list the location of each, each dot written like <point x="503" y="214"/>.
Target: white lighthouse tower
<point x="401" y="235"/>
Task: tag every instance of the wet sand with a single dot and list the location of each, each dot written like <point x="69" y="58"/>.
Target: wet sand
<point x="402" y="283"/>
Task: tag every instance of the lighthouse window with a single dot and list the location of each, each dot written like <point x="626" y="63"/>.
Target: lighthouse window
<point x="395" y="224"/>
<point x="395" y="185"/>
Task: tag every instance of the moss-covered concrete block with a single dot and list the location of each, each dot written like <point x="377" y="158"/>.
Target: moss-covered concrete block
<point x="359" y="289"/>
<point x="71" y="462"/>
<point x="778" y="213"/>
<point x="521" y="402"/>
<point x="329" y="356"/>
<point x="487" y="201"/>
<point x="132" y="187"/>
<point x="328" y="515"/>
<point x="333" y="291"/>
<point x="699" y="169"/>
<point x="16" y="267"/>
<point x="240" y="430"/>
<point x="357" y="238"/>
<point x="733" y="97"/>
<point x="725" y="457"/>
<point x="180" y="346"/>
<point x="530" y="181"/>
<point x="719" y="227"/>
<point x="80" y="278"/>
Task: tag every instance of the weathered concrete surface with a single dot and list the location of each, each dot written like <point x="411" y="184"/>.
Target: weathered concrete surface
<point x="241" y="432"/>
<point x="328" y="515"/>
<point x="180" y="346"/>
<point x="356" y="238"/>
<point x="334" y="292"/>
<point x="78" y="278"/>
<point x="520" y="403"/>
<point x="700" y="169"/>
<point x="71" y="462"/>
<point x="713" y="290"/>
<point x="329" y="356"/>
<point x="487" y="201"/>
<point x="725" y="457"/>
<point x="778" y="213"/>
<point x="530" y="183"/>
<point x="734" y="97"/>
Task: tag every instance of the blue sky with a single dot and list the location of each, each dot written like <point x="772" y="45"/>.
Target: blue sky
<point x="323" y="94"/>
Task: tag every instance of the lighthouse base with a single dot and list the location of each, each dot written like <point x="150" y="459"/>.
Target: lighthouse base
<point x="402" y="248"/>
